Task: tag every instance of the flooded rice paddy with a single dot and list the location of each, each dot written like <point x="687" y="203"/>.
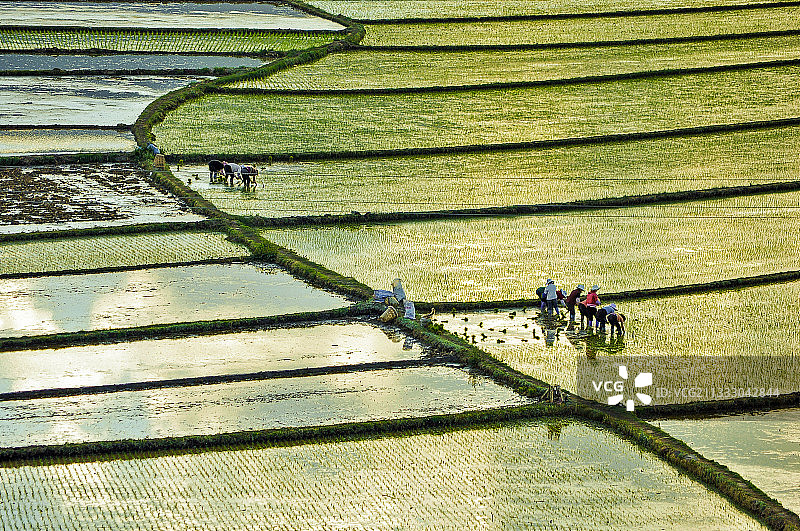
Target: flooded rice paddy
<point x="761" y="447"/>
<point x="506" y="258"/>
<point x="99" y="252"/>
<point x="285" y="402"/>
<point x="46" y="142"/>
<point x="752" y="343"/>
<point x="412" y="184"/>
<point x="80" y="196"/>
<point x="321" y="345"/>
<point x="70" y="303"/>
<point x="12" y="62"/>
<point x="81" y="100"/>
<point x="539" y="474"/>
<point x="253" y="15"/>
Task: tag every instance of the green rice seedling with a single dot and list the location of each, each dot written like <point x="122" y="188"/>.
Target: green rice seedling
<point x="539" y="474"/>
<point x="163" y="42"/>
<point x="582" y="30"/>
<point x="412" y="184"/>
<point x="399" y="9"/>
<point x="41" y="256"/>
<point x="508" y="258"/>
<point x="377" y="70"/>
<point x="291" y="123"/>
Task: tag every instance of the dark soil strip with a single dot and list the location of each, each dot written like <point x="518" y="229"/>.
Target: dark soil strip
<point x="719" y="407"/>
<point x="630" y="295"/>
<point x="485" y="148"/>
<point x="175" y="330"/>
<point x="521" y="210"/>
<point x="669" y="72"/>
<point x="228" y="378"/>
<point x="118" y="269"/>
<point x="142" y="228"/>
<point x="583" y="44"/>
<point x="599" y="14"/>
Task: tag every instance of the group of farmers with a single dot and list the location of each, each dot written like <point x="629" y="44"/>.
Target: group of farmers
<point x="230" y="173"/>
<point x="592" y="312"/>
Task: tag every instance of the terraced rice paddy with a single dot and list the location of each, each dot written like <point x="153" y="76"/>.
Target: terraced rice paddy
<point x="399" y="9"/>
<point x="75" y="62"/>
<point x="42" y="256"/>
<point x="285" y="402"/>
<point x="299" y="124"/>
<point x="378" y="69"/>
<point x="748" y="339"/>
<point x="508" y="258"/>
<point x="38" y="142"/>
<point x="70" y="303"/>
<point x="218" y="15"/>
<point x="155" y="41"/>
<point x="762" y="447"/>
<point x="534" y="474"/>
<point x="411" y="184"/>
<point x="280" y="349"/>
<point x="85" y="100"/>
<point x="78" y="196"/>
<point x="582" y="30"/>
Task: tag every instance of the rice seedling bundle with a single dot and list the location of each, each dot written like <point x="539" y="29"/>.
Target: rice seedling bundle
<point x="582" y="30"/>
<point x="539" y="474"/>
<point x="508" y="258"/>
<point x="153" y="40"/>
<point x="377" y="69"/>
<point x="114" y="251"/>
<point x="398" y="9"/>
<point x="291" y="123"/>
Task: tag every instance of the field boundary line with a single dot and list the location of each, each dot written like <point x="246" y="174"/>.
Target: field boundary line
<point x="584" y="15"/>
<point x="628" y="295"/>
<point x="121" y="269"/>
<point x="206" y="225"/>
<point x="713" y="408"/>
<point x="227" y="378"/>
<point x="581" y="205"/>
<point x="579" y="44"/>
<point x="511" y="85"/>
<point x="616" y="138"/>
<point x="347" y="312"/>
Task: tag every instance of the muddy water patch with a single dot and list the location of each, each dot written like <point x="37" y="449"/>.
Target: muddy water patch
<point x="762" y="447"/>
<point x="310" y="401"/>
<point x="81" y="100"/>
<point x="69" y="303"/>
<point x="14" y="143"/>
<point x="322" y="345"/>
<point x="79" y="196"/>
<point x="122" y="62"/>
